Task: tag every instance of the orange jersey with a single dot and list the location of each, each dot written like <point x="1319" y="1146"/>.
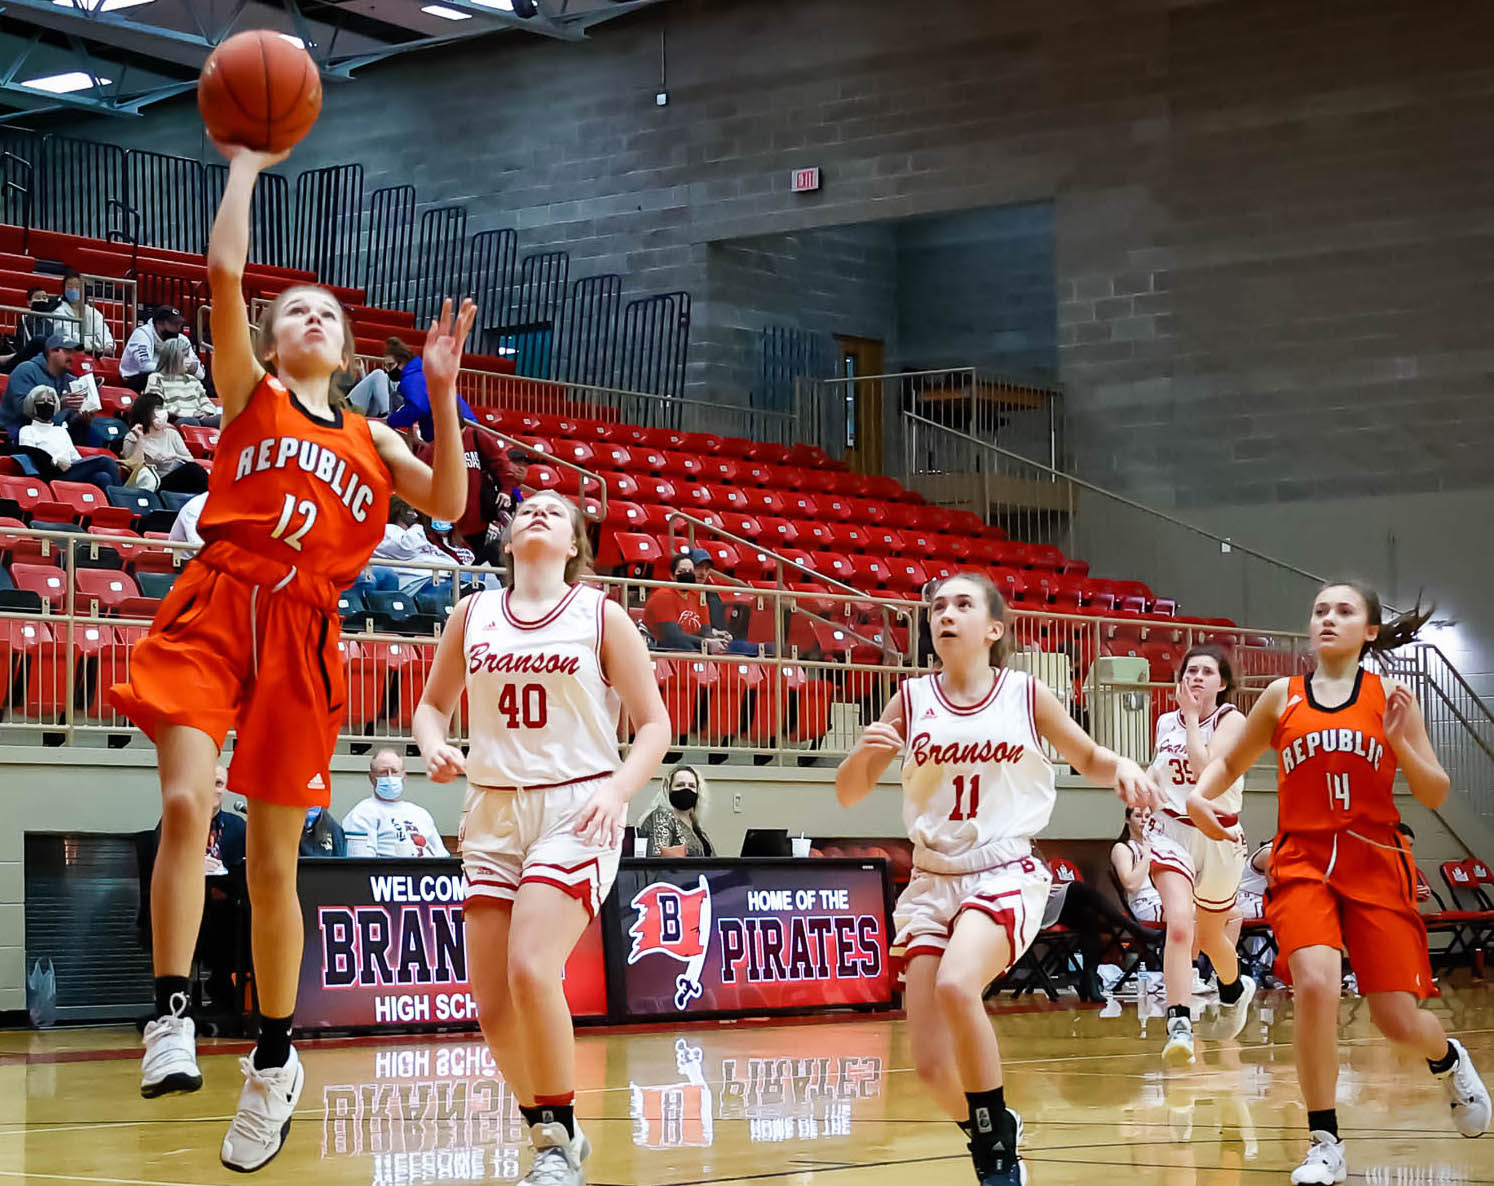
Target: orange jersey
<point x="1334" y="770"/>
<point x="312" y="494"/>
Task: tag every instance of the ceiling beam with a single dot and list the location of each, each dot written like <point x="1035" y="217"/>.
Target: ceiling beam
<point x="536" y="24"/>
<point x="108" y="28"/>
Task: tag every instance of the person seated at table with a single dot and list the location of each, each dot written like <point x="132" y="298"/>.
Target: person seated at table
<point x="217" y="939"/>
<point x="323" y="835"/>
<point x="384" y="825"/>
<point x="673" y="827"/>
<point x="48" y="436"/>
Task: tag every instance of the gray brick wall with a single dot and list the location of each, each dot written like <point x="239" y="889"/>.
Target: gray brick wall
<point x="1270" y="219"/>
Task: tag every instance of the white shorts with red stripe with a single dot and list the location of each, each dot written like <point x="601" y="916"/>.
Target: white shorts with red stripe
<point x="1213" y="867"/>
<point x="514" y="837"/>
<point x="1013" y="894"/>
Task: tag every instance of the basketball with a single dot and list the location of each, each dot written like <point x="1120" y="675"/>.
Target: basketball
<point x="259" y="90"/>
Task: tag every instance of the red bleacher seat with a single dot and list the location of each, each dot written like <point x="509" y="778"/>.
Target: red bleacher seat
<point x="104" y="588"/>
<point x="47" y="581"/>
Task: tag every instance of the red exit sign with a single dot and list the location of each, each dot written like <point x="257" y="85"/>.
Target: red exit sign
<point x="804" y="181"/>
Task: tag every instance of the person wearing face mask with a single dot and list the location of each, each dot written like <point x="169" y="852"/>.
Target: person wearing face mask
<point x="377" y="393"/>
<point x="384" y="824"/>
<point x="44" y="433"/>
<point x="141" y="353"/>
<point x="323" y="836"/>
<point x="680" y="621"/>
<point x="35" y="324"/>
<point x="155" y="453"/>
<point x="673" y="825"/>
<point x="53" y="368"/>
<point x="406" y="539"/>
<point x="408" y="374"/>
<point x="77" y="318"/>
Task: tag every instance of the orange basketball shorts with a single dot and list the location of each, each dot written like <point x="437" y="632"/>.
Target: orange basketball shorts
<point x="1354" y="891"/>
<point x="240" y="644"/>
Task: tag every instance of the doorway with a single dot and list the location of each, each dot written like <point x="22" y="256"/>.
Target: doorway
<point x="859" y="358"/>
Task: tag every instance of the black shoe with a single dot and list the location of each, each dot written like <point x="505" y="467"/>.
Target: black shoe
<point x="996" y="1165"/>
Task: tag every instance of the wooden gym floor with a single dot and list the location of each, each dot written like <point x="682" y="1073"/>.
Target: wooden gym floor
<point x="822" y="1103"/>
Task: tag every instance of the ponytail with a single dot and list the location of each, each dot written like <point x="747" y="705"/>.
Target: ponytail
<point x="1399" y="631"/>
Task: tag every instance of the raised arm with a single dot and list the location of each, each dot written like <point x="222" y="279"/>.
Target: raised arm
<point x="438" y="489"/>
<point x="873" y="752"/>
<point x="236" y="366"/>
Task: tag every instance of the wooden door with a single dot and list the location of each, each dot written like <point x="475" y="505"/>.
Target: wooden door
<point x="860" y="357"/>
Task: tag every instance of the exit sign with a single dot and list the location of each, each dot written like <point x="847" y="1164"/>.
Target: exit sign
<point x="804" y="181"/>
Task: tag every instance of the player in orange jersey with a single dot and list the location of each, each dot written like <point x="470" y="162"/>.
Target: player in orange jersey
<point x="1341" y="876"/>
<point x="247" y="638"/>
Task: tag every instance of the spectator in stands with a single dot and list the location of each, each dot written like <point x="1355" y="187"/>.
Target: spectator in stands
<point x="76" y="318"/>
<point x="492" y="480"/>
<point x="405" y="539"/>
<point x="416" y="408"/>
<point x="1131" y="858"/>
<point x="46" y="434"/>
<point x="184" y="526"/>
<point x="1095" y="922"/>
<point x="377" y="393"/>
<point x="323" y="836"/>
<point x="384" y="825"/>
<point x="35" y="325"/>
<point x="141" y="352"/>
<point x="186" y="399"/>
<point x="155" y="453"/>
<point x="216" y="941"/>
<point x="673" y="827"/>
<point x="679" y="621"/>
<point x="53" y="368"/>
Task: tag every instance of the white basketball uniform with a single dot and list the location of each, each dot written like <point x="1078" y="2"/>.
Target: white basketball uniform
<point x="1146" y="902"/>
<point x="543" y="722"/>
<point x="977" y="786"/>
<point x="1211" y="866"/>
<point x="1252" y="900"/>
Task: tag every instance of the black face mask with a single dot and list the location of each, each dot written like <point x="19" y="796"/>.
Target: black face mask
<point x="46" y="411"/>
<point x="40" y="306"/>
<point x="685" y="578"/>
<point x="683" y="799"/>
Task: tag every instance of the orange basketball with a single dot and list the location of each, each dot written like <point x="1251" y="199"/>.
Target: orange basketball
<point x="259" y="90"/>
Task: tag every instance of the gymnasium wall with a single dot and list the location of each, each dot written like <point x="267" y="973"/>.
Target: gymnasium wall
<point x="1271" y="244"/>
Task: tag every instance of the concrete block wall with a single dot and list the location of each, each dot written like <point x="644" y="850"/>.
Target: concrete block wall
<point x="1270" y="218"/>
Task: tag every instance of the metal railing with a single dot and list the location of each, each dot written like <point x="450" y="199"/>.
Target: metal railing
<point x="843" y="415"/>
<point x="1117" y="537"/>
<point x="813" y="663"/>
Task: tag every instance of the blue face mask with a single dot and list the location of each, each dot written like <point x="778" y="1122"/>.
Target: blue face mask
<point x="311" y="814"/>
<point x="440" y="526"/>
<point x="389" y="788"/>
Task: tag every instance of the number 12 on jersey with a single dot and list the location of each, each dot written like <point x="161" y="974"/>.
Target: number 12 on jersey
<point x="306" y="509"/>
<point x="961" y="812"/>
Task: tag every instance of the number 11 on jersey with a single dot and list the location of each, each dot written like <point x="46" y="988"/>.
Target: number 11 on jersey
<point x="960" y="812"/>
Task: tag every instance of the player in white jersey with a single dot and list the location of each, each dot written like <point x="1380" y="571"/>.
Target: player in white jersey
<point x="1131" y="858"/>
<point x="977" y="786"/>
<point x="547" y="665"/>
<point x="1198" y="878"/>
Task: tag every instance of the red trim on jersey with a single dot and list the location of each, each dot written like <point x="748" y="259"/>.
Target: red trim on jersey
<point x="519" y="623"/>
<point x="1211" y="907"/>
<point x="968" y="710"/>
<point x="1169" y="866"/>
<point x="602" y="636"/>
<point x="467" y="622"/>
<point x="547" y="786"/>
<point x="1005" y="917"/>
<point x="1225" y="821"/>
<point x="1037" y="740"/>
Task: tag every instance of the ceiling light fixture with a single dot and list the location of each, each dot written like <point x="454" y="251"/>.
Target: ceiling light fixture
<point x="65" y="84"/>
<point x="446" y="14"/>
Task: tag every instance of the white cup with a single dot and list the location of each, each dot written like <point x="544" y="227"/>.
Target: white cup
<point x="801" y="845"/>
<point x="640" y="846"/>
